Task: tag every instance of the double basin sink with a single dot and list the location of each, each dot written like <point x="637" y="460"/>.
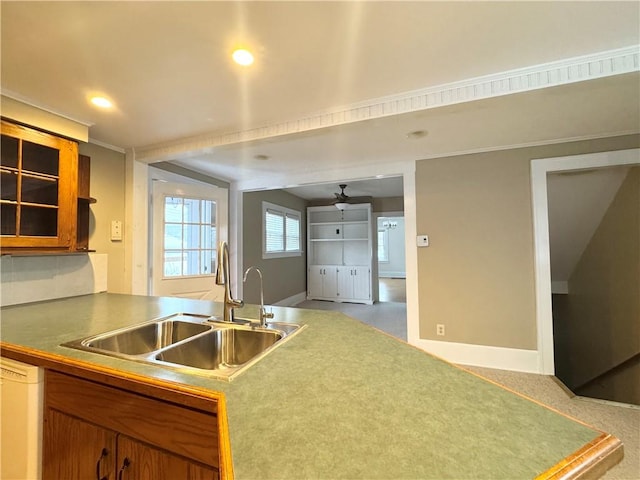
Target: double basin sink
<point x="192" y="343"/>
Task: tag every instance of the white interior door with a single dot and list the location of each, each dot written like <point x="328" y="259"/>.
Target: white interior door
<point x="188" y="221"/>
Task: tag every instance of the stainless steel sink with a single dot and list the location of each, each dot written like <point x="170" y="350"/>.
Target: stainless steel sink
<point x="191" y="343"/>
<point x="146" y="338"/>
<point x="221" y="348"/>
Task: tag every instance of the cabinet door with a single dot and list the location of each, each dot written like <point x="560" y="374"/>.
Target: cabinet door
<point x="315" y="281"/>
<point x="345" y="283"/>
<point x="39" y="189"/>
<point x="361" y="283"/>
<point x="76" y="450"/>
<point x="330" y="282"/>
<point x="139" y="461"/>
<point x="322" y="281"/>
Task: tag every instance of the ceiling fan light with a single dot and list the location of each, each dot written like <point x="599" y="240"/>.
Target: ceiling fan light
<point x="341" y="205"/>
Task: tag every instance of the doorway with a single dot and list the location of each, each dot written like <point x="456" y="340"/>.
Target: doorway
<point x="188" y="221"/>
<point x="389" y="312"/>
<point x="540" y="168"/>
<point x="391" y="257"/>
<point x="594" y="230"/>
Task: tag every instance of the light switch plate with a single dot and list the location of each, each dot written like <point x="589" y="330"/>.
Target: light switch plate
<point x="116" y="230"/>
<point x="422" y="240"/>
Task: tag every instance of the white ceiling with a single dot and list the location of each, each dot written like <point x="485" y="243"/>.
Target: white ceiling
<point x="373" y="187"/>
<point x="166" y="66"/>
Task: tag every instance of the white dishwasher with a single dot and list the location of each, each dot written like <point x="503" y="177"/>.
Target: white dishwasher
<point x="21" y="397"/>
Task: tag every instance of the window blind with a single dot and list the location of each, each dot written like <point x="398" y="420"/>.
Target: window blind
<point x="281" y="231"/>
<point x="292" y="228"/>
<point x="274" y="231"/>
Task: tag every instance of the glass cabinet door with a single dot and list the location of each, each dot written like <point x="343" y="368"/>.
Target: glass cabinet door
<point x="38" y="194"/>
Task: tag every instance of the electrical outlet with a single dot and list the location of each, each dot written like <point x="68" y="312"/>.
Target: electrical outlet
<point x="440" y="329"/>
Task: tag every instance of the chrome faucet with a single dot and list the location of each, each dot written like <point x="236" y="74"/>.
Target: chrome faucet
<point x="263" y="313"/>
<point x="223" y="278"/>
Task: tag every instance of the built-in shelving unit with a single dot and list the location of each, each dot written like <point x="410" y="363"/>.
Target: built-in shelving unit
<point x="340" y="253"/>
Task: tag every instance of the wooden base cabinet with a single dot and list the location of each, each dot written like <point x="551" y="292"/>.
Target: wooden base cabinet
<point x="97" y="431"/>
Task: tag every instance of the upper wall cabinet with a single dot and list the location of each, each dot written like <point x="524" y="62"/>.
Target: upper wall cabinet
<point x="39" y="192"/>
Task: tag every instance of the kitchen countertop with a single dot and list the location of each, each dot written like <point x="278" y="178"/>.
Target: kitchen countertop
<point x="337" y="400"/>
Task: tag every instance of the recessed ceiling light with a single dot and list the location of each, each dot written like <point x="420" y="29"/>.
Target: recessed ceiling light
<point x="101" y="102"/>
<point x="242" y="57"/>
<point x="417" y="134"/>
<point x="261" y="157"/>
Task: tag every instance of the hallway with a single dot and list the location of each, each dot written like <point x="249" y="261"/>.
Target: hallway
<point x="388" y="315"/>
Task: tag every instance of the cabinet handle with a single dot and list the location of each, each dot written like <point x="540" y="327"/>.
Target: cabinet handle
<point x="125" y="464"/>
<point x="103" y="454"/>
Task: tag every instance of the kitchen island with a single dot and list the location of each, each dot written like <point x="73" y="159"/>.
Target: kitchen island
<point x="338" y="400"/>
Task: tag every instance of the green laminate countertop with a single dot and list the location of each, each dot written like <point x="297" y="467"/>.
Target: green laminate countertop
<point x="338" y="400"/>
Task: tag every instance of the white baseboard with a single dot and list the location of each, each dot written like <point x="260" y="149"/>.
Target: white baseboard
<point x="392" y="274"/>
<point x="293" y="300"/>
<point x="482" y="356"/>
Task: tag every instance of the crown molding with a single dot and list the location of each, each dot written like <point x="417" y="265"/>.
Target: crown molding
<point x="563" y="72"/>
<point x="108" y="146"/>
<point x="27" y="101"/>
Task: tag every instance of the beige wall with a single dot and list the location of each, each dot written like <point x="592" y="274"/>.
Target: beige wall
<point x="604" y="291"/>
<point x="477" y="276"/>
<point x="107" y="187"/>
<point x="283" y="277"/>
<point x="388" y="204"/>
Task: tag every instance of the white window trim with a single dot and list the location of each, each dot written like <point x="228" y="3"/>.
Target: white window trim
<point x="285" y="211"/>
<point x="183" y="222"/>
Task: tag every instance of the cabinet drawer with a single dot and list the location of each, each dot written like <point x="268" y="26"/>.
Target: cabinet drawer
<point x="183" y="431"/>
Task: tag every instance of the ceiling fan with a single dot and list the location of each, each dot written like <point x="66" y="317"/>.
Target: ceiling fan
<point x="342" y="199"/>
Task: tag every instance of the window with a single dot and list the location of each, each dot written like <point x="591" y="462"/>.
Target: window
<point x="189" y="236"/>
<point x="281" y="231"/>
<point x="383" y="245"/>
